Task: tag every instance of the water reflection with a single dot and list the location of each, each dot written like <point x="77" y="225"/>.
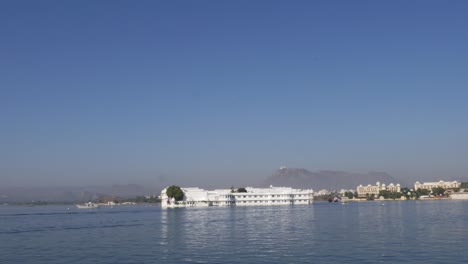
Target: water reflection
<point x="366" y="232"/>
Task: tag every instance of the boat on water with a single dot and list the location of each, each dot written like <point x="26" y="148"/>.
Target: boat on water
<point x="344" y="200"/>
<point x="88" y="205"/>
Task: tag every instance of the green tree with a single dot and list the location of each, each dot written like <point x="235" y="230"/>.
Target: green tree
<point x="370" y="197"/>
<point x="175" y="192"/>
<point x="390" y="195"/>
<point x="420" y="192"/>
<point x="406" y="192"/>
<point x="438" y="191"/>
<point x="385" y="194"/>
<point x="396" y="195"/>
<point x="242" y="190"/>
<point x="140" y="199"/>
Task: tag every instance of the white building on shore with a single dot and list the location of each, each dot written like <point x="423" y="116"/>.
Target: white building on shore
<point x="442" y="184"/>
<point x="459" y="196"/>
<point x="196" y="197"/>
<point x="363" y="191"/>
<point x="322" y="192"/>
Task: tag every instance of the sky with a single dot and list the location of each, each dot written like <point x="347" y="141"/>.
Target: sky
<point x="226" y="92"/>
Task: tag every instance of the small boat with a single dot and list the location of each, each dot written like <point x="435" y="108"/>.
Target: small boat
<point x="344" y="200"/>
<point x="88" y="205"/>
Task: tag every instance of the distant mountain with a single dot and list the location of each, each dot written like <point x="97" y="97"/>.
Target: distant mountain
<point x="326" y="179"/>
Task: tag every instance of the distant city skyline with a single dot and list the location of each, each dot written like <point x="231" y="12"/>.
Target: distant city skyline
<point x="224" y="93"/>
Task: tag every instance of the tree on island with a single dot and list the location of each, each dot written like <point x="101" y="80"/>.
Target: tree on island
<point x="384" y="193"/>
<point x="242" y="190"/>
<point x="438" y="191"/>
<point x="175" y="192"/>
<point x="421" y="192"/>
<point x="350" y="195"/>
<point x="406" y="192"/>
<point x="144" y="199"/>
<point x="390" y="195"/>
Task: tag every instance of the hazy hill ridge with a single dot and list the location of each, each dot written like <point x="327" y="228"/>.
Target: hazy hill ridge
<point x="325" y="179"/>
<point x="71" y="193"/>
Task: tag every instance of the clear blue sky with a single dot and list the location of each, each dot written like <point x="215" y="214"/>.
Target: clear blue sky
<point x="225" y="92"/>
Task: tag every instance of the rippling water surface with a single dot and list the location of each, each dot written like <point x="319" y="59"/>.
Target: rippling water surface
<point x="364" y="232"/>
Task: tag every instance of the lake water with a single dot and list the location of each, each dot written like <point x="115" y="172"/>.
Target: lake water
<point x="360" y="232"/>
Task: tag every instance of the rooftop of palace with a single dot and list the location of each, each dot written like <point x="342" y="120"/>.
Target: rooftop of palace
<point x="271" y="189"/>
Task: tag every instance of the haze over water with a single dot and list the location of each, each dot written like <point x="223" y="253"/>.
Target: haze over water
<point x="365" y="232"/>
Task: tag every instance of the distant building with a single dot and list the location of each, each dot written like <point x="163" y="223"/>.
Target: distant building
<point x="363" y="191"/>
<point x="323" y="192"/>
<point x="432" y="185"/>
<point x="195" y="197"/>
<point x="459" y="196"/>
<point x="343" y="191"/>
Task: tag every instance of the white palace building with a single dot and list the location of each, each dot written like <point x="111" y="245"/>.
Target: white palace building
<point x="363" y="191"/>
<point x="442" y="184"/>
<point x="196" y="197"/>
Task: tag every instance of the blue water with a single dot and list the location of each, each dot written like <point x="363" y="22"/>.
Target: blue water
<point x="365" y="232"/>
